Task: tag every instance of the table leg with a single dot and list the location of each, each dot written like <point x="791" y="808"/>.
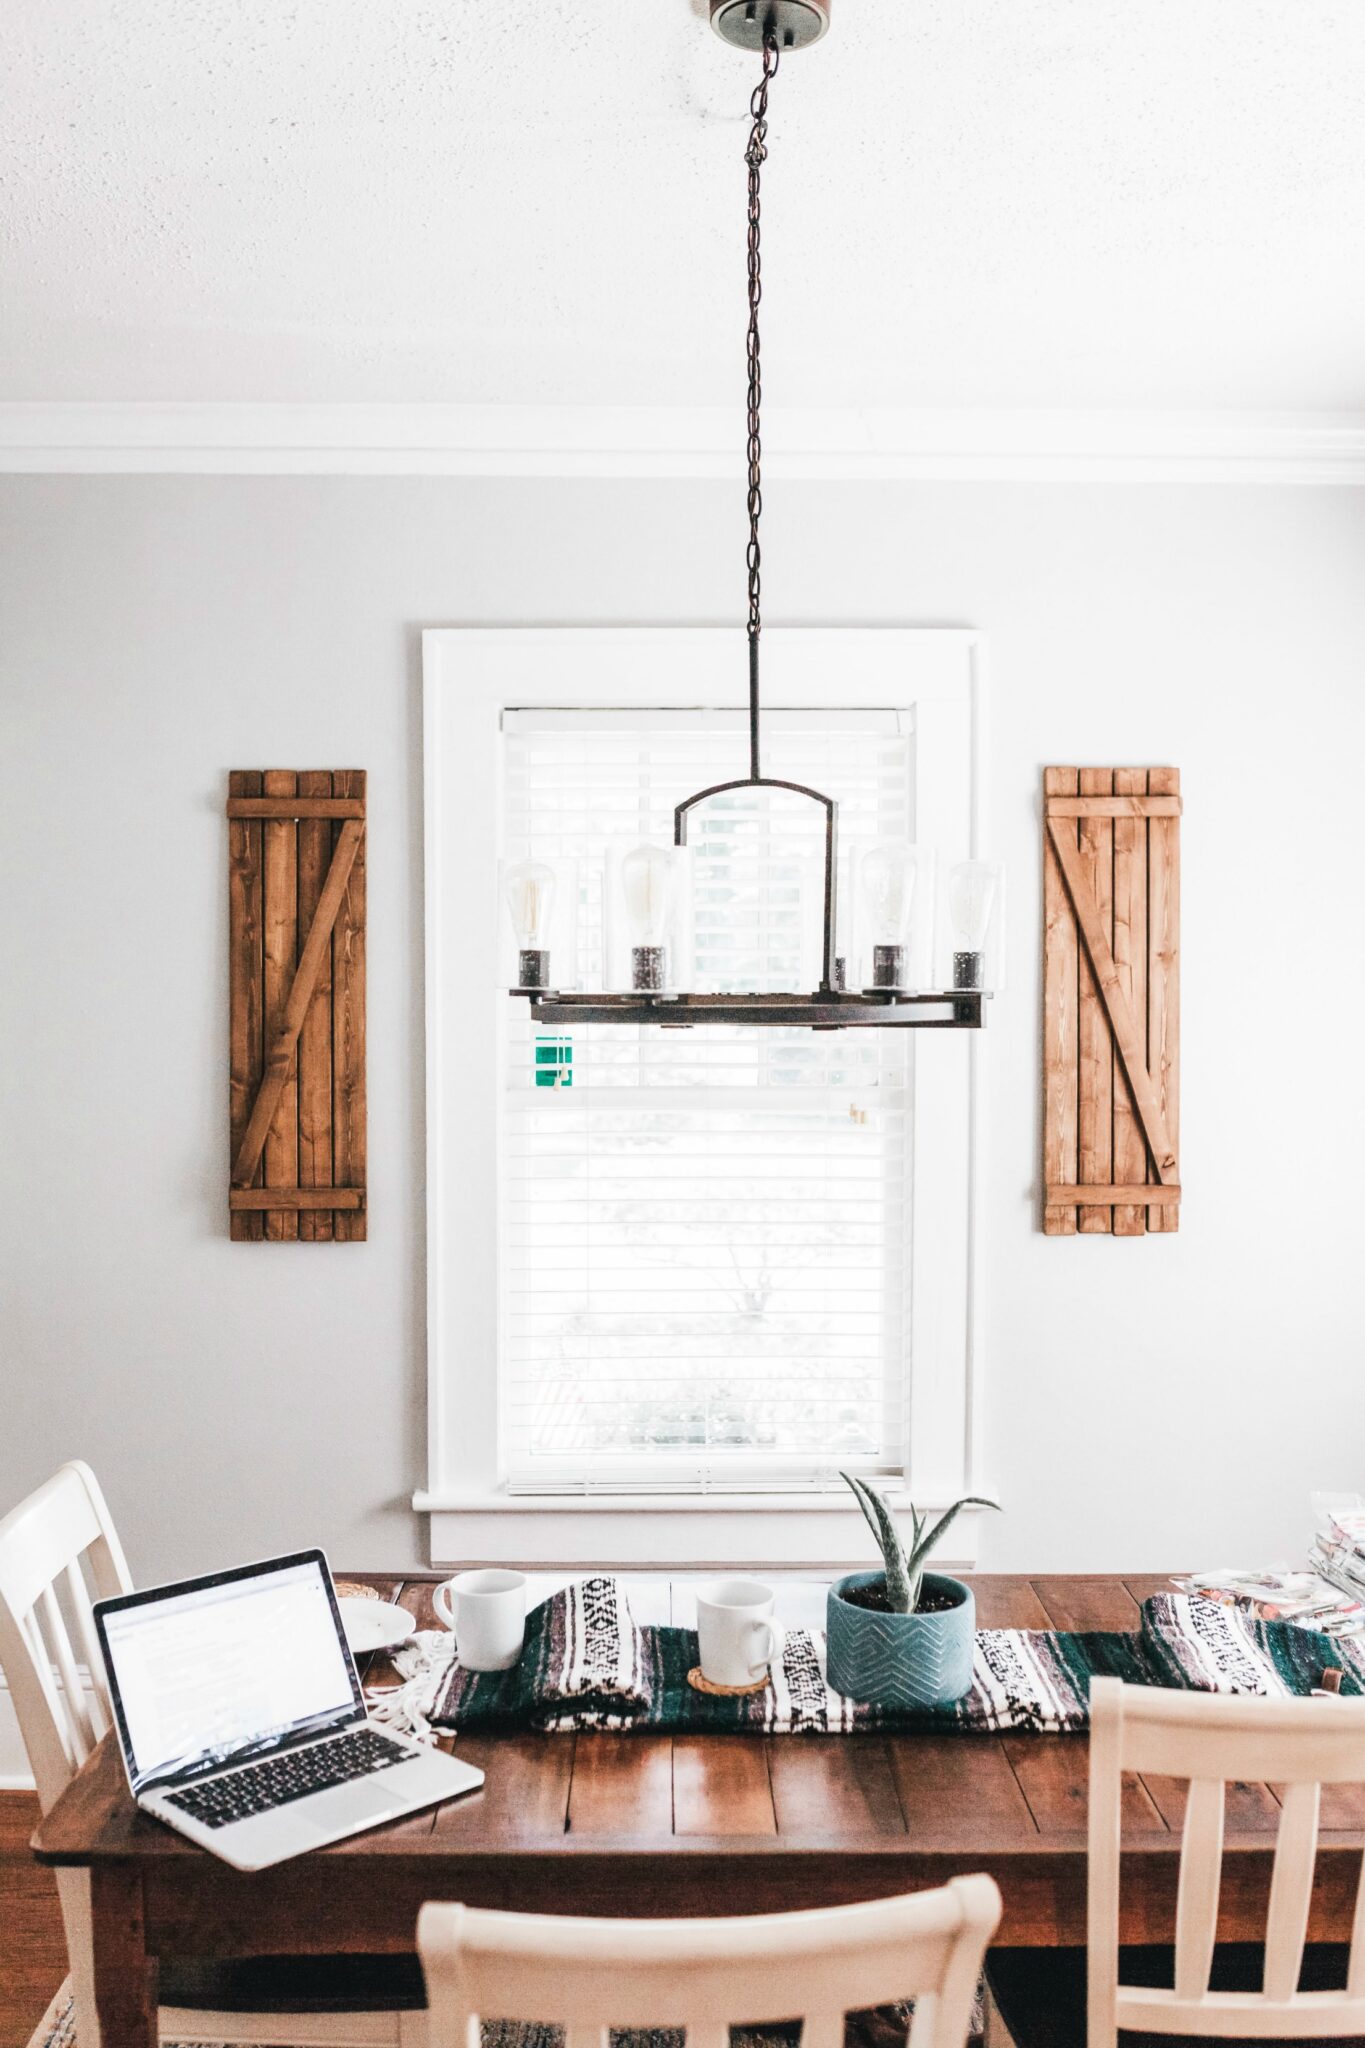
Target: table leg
<point x="125" y="1975"/>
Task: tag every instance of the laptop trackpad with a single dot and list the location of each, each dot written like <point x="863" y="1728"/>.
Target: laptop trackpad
<point x="367" y="1804"/>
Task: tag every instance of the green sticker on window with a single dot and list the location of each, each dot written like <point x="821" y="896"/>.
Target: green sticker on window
<point x="554" y="1062"/>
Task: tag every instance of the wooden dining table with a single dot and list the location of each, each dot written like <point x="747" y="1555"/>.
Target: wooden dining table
<point x="645" y="1825"/>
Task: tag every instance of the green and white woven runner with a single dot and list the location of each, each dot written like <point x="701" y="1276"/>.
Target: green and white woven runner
<point x="587" y="1664"/>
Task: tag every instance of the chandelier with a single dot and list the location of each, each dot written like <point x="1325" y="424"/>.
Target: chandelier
<point x="887" y="871"/>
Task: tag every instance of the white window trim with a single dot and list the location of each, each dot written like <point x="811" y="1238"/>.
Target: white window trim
<point x="470" y="676"/>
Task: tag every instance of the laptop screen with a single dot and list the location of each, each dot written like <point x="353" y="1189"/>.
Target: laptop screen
<point x="217" y="1668"/>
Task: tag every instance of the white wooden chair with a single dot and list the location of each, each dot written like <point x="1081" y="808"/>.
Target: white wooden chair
<point x="1210" y="1740"/>
<point x="589" y="1976"/>
<point x="58" y="1551"/>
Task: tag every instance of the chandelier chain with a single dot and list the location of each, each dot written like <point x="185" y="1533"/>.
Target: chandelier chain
<point x="755" y="155"/>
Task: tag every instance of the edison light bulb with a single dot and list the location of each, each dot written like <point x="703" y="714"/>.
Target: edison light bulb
<point x="888" y="882"/>
<point x="647" y="883"/>
<point x="530" y="887"/>
<point x="971" y="899"/>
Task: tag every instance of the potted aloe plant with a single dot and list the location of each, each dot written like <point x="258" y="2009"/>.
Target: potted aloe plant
<point x="903" y="1636"/>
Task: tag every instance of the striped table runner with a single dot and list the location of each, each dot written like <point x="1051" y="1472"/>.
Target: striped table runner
<point x="587" y="1664"/>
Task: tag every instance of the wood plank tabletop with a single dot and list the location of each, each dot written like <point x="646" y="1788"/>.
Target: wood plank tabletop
<point x="650" y="1823"/>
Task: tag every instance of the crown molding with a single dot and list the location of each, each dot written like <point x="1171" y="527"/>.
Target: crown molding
<point x="827" y="445"/>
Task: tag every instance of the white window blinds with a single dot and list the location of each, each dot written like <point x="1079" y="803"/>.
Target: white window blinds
<point x="704" y="1234"/>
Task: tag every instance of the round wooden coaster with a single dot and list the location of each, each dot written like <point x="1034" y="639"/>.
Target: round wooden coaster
<point x="700" y="1683"/>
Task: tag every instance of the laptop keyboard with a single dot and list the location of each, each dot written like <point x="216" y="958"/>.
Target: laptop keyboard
<point x="279" y="1779"/>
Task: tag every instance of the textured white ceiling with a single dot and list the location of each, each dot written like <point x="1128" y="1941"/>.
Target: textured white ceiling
<point x="968" y="202"/>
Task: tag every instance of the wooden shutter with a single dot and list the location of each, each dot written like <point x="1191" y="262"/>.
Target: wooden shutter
<point x="1111" y="1000"/>
<point x="296" y="924"/>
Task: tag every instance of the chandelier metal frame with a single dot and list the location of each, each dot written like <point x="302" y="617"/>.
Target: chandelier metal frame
<point x="831" y="1007"/>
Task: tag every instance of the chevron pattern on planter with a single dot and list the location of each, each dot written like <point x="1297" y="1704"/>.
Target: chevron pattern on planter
<point x="900" y="1660"/>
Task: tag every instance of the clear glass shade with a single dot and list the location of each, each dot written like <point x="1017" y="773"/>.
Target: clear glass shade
<point x="647" y="885"/>
<point x="972" y="887"/>
<point x="887" y="878"/>
<point x="530" y="891"/>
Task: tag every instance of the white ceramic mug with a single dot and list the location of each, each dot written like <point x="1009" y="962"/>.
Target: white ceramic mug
<point x="487" y="1611"/>
<point x="736" y="1632"/>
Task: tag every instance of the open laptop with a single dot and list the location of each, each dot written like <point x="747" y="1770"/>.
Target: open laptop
<point x="241" y="1719"/>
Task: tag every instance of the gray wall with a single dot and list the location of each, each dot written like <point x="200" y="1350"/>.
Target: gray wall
<point x="1150" y="1402"/>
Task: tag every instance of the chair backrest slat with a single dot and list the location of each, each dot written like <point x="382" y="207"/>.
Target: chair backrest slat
<point x="705" y="1976"/>
<point x="1201" y="1872"/>
<point x="924" y="2026"/>
<point x="713" y="2034"/>
<point x="1102" y="1898"/>
<point x="585" y="2037"/>
<point x="821" y="2028"/>
<point x="1291" y="1889"/>
<point x="1355" y="1976"/>
<point x="33" y="1680"/>
<point x="78" y="1597"/>
<point x="59" y="1649"/>
<point x="1298" y="1745"/>
<point x="42" y="1545"/>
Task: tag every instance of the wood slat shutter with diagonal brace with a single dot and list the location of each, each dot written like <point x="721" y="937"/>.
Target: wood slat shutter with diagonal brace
<point x="296" y="864"/>
<point x="1111" y="1000"/>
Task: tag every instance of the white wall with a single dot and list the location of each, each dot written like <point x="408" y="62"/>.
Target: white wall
<point x="1152" y="1402"/>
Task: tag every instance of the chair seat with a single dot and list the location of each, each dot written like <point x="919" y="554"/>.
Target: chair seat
<point x="296" y="1984"/>
<point x="1040" y="1992"/>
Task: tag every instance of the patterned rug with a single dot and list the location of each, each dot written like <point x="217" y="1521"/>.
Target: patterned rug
<point x="885" y="2027"/>
<point x="588" y="1664"/>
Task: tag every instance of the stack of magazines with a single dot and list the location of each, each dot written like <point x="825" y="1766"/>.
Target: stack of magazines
<point x="1338" y="1552"/>
<point x="1313" y="1599"/>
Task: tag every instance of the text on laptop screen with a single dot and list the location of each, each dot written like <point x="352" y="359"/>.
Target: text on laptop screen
<point x="226" y="1667"/>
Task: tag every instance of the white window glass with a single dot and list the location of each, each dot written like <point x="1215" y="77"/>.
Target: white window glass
<point x="705" y="1238"/>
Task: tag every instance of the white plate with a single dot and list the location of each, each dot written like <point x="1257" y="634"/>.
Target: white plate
<point x="373" y="1624"/>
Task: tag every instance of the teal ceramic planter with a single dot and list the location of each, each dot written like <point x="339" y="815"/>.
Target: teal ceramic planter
<point x="900" y="1660"/>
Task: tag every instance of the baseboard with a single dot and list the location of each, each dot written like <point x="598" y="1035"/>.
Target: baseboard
<point x="15" y="1775"/>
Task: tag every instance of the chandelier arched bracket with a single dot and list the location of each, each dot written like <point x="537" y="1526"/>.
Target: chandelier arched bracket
<point x="829" y="977"/>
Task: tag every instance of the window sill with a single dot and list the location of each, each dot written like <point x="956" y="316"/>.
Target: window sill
<point x="769" y="1531"/>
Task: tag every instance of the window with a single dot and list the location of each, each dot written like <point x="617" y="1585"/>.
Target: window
<point x="705" y="1233"/>
<point x="677" y="1278"/>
